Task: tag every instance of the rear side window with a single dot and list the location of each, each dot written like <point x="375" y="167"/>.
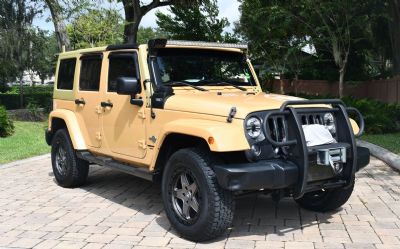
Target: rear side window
<point x="120" y="65"/>
<point x="89" y="79"/>
<point x="66" y="72"/>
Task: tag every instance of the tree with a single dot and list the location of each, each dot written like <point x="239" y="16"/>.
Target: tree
<point x="135" y="10"/>
<point x="96" y="27"/>
<point x="198" y="22"/>
<point x="394" y="29"/>
<point x="329" y="26"/>
<point x="146" y="34"/>
<point x="16" y="17"/>
<point x="62" y="10"/>
<point x="43" y="55"/>
<point x="274" y="39"/>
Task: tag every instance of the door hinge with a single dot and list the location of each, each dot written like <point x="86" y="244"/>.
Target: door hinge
<point x="141" y="113"/>
<point x="98" y="136"/>
<point x="142" y="144"/>
<point x="99" y="109"/>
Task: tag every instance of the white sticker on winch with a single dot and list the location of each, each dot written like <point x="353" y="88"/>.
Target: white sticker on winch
<point x="316" y="134"/>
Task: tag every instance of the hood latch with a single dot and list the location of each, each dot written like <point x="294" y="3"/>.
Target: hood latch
<point x="231" y="114"/>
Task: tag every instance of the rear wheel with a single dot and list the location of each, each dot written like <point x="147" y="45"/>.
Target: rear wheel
<point x="328" y="200"/>
<point x="68" y="169"/>
<point x="198" y="208"/>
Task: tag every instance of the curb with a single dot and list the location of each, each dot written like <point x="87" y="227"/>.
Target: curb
<point x="390" y="158"/>
<point x="24" y="161"/>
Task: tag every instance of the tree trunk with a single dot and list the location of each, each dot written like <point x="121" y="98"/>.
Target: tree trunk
<point x="282" y="89"/>
<point x="59" y="26"/>
<point x="341" y="82"/>
<point x="130" y="31"/>
<point x="132" y="21"/>
<point x="21" y="92"/>
<point x="394" y="29"/>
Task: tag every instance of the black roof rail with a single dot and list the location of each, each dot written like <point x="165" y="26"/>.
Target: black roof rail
<point x="122" y="46"/>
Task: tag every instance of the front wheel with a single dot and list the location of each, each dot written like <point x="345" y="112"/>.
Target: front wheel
<point x="325" y="201"/>
<point x="198" y="208"/>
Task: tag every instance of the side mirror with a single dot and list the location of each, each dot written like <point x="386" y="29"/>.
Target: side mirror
<point x="128" y="86"/>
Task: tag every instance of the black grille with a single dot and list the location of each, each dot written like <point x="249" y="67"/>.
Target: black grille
<point x="277" y="125"/>
<point x="314" y="118"/>
<point x="277" y="128"/>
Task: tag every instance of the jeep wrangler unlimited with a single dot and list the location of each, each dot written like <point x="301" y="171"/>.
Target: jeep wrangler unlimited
<point x="192" y="115"/>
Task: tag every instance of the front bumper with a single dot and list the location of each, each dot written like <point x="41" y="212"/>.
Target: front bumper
<point x="269" y="174"/>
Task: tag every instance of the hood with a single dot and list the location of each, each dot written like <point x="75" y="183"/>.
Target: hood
<point x="214" y="104"/>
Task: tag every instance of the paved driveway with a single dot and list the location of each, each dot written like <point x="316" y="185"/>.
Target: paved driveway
<point x="115" y="210"/>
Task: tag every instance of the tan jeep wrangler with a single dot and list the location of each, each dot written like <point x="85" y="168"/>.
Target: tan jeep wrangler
<point x="193" y="116"/>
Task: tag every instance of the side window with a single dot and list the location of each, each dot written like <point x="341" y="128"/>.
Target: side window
<point x="120" y="65"/>
<point x="89" y="79"/>
<point x="66" y="72"/>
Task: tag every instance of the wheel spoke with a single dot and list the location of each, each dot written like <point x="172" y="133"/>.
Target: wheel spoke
<point x="194" y="204"/>
<point x="185" y="210"/>
<point x="179" y="193"/>
<point x="193" y="188"/>
<point x="184" y="181"/>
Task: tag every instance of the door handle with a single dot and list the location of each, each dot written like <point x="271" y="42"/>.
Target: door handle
<point x="80" y="101"/>
<point x="106" y="104"/>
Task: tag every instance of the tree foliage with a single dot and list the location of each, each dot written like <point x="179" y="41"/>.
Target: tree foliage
<point x="136" y="9"/>
<point x="16" y="17"/>
<point x="61" y="11"/>
<point x="198" y="22"/>
<point x="43" y="55"/>
<point x="96" y="27"/>
<point x="280" y="30"/>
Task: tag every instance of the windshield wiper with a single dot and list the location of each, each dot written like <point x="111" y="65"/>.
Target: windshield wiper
<point x="224" y="83"/>
<point x="181" y="83"/>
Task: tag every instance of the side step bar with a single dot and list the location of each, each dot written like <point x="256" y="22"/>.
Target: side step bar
<point x="111" y="163"/>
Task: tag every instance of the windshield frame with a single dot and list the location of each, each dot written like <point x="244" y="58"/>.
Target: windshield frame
<point x="156" y="75"/>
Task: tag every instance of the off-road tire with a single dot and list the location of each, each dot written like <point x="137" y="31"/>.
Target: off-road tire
<point x="329" y="200"/>
<point x="76" y="169"/>
<point x="216" y="205"/>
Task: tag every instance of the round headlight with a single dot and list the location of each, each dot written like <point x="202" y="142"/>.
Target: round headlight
<point x="329" y="122"/>
<point x="253" y="127"/>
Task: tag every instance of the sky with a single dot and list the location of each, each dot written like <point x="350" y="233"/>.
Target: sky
<point x="227" y="8"/>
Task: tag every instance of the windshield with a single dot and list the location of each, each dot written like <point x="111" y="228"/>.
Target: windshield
<point x="200" y="67"/>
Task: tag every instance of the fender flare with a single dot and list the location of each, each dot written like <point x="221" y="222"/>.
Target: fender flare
<point x="73" y="128"/>
<point x="226" y="136"/>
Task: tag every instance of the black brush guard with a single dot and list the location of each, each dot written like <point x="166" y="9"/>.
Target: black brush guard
<point x="295" y="144"/>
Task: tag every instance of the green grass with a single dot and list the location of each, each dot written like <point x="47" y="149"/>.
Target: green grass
<point x="389" y="141"/>
<point x="27" y="141"/>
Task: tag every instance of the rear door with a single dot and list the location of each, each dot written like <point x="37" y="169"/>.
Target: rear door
<point x="88" y="98"/>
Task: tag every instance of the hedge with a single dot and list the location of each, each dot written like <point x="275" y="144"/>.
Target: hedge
<point x="6" y="124"/>
<point x="42" y="99"/>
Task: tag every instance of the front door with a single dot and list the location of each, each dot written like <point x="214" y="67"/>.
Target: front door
<point x="88" y="99"/>
<point x="123" y="123"/>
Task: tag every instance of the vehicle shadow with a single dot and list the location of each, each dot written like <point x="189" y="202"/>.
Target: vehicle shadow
<point x="257" y="216"/>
